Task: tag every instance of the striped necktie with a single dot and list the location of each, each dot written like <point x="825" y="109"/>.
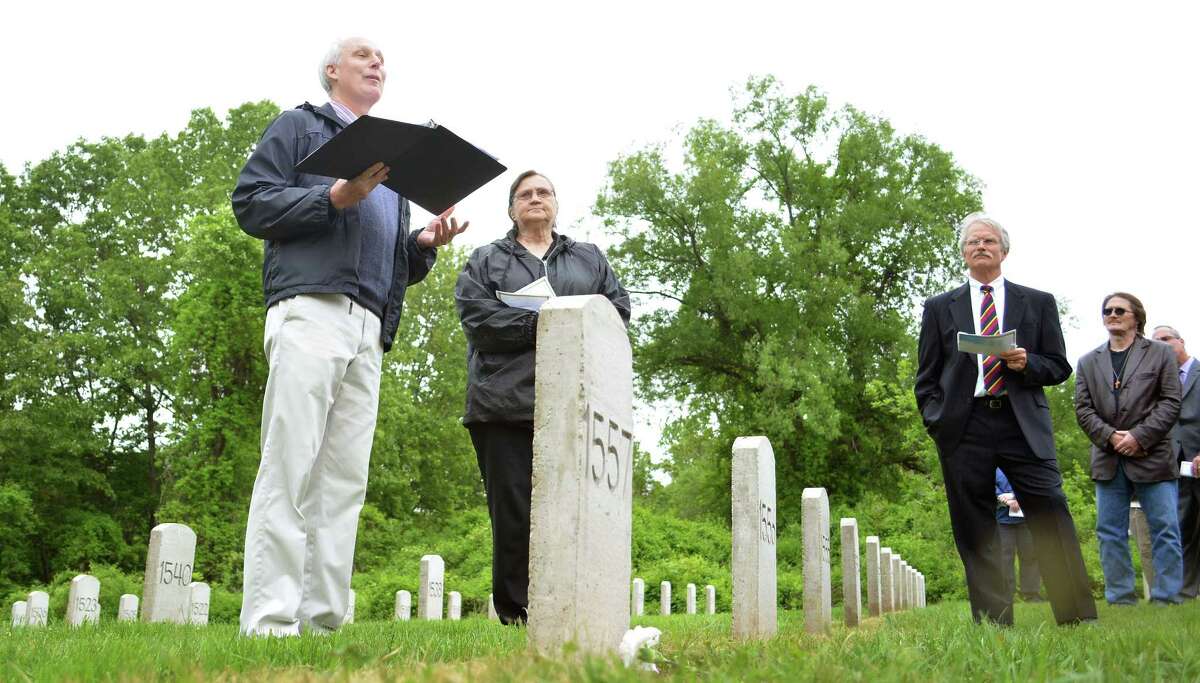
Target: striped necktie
<point x="989" y="323"/>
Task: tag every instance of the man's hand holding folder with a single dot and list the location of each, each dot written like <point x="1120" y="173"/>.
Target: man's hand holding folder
<point x="428" y="165"/>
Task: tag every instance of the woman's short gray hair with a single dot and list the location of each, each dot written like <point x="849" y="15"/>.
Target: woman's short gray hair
<point x="334" y="57"/>
<point x="980" y="217"/>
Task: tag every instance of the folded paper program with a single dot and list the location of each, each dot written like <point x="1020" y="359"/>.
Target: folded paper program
<point x="987" y="345"/>
<point x="530" y="297"/>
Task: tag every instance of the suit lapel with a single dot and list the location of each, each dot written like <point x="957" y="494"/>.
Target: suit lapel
<point x="1104" y="367"/>
<point x="1191" y="377"/>
<point x="960" y="309"/>
<point x="1014" y="306"/>
<point x="1137" y="351"/>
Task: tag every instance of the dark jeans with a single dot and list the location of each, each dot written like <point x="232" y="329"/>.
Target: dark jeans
<point x="1015" y="540"/>
<point x="504" y="451"/>
<point x="993" y="439"/>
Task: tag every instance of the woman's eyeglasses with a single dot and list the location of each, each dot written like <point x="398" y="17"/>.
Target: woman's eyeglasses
<point x="1115" y="310"/>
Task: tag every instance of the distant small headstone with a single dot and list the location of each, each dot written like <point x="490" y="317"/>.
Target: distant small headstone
<point x="127" y="609"/>
<point x="351" y="604"/>
<point x="710" y="599"/>
<point x="165" y="588"/>
<point x="492" y="608"/>
<point x="874" y="601"/>
<point x="37" y="609"/>
<point x="455" y="611"/>
<point x="200" y="597"/>
<point x="886" y="585"/>
<point x="404" y="605"/>
<point x="664" y="598"/>
<point x="639" y="598"/>
<point x="690" y="603"/>
<point x="897" y="584"/>
<point x="431" y="592"/>
<point x="83" y="601"/>
<point x="19" y="613"/>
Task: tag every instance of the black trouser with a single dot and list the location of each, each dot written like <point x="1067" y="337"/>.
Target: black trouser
<point x="1015" y="540"/>
<point x="504" y="451"/>
<point x="993" y="439"/>
<point x="1189" y="533"/>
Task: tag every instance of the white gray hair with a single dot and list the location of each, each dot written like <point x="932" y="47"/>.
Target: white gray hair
<point x="980" y="217"/>
<point x="334" y="57"/>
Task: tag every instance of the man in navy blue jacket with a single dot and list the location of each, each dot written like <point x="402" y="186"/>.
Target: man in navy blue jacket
<point x="337" y="258"/>
<point x="1015" y="540"/>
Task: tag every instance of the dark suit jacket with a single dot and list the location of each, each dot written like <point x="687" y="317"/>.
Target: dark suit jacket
<point x="1185" y="435"/>
<point x="1147" y="407"/>
<point x="945" y="385"/>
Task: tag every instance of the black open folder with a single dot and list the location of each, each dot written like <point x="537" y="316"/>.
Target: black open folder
<point x="430" y="166"/>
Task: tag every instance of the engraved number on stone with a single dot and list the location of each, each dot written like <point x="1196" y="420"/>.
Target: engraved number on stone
<point x="608" y="440"/>
<point x="767" y="523"/>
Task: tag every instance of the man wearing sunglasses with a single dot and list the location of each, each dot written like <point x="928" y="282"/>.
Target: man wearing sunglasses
<point x="1185" y="445"/>
<point x="1127" y="401"/>
<point x="985" y="412"/>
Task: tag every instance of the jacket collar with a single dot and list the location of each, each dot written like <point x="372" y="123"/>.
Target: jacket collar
<point x="1137" y="351"/>
<point x="1014" y="307"/>
<point x="325" y="110"/>
<point x="510" y="244"/>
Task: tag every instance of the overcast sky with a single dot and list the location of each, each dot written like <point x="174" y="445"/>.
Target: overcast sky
<point x="1079" y="118"/>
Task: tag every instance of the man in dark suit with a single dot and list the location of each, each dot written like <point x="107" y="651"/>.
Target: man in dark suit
<point x="1185" y="446"/>
<point x="985" y="412"/>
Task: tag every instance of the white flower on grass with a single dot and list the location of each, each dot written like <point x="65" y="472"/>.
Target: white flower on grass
<point x="638" y="646"/>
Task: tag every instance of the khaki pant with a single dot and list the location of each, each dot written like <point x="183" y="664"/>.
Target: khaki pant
<point x="318" y="422"/>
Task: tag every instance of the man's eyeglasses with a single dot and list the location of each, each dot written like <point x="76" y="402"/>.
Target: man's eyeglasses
<point x="1115" y="310"/>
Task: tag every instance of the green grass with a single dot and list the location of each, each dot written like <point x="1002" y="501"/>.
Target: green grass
<point x="1144" y="643"/>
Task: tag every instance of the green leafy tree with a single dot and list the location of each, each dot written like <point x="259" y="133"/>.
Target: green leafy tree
<point x="786" y="253"/>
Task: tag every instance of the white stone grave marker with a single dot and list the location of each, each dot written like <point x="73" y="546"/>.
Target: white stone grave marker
<point x="19" y="613"/>
<point x="710" y="599"/>
<point x="200" y="595"/>
<point x="664" y="598"/>
<point x="83" y="601"/>
<point x="851" y="573"/>
<point x="433" y="586"/>
<point x="455" y="611"/>
<point x="127" y="609"/>
<point x="581" y="522"/>
<point x="886" y="584"/>
<point x="897" y="584"/>
<point x="404" y="605"/>
<point x="38" y="609"/>
<point x="818" y="594"/>
<point x="351" y="605"/>
<point x="639" y="597"/>
<point x="165" y="589"/>
<point x="874" y="603"/>
<point x="754" y="538"/>
<point x="492" y="608"/>
<point x="691" y="598"/>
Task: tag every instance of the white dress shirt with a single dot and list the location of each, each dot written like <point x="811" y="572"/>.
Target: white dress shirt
<point x="976" y="304"/>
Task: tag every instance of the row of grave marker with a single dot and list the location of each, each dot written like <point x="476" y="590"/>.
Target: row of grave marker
<point x="638" y="602"/>
<point x="892" y="584"/>
<point x="582" y="489"/>
<point x="83" y="605"/>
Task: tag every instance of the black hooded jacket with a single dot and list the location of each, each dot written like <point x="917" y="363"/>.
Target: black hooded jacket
<point x="500" y="339"/>
<point x="309" y="247"/>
